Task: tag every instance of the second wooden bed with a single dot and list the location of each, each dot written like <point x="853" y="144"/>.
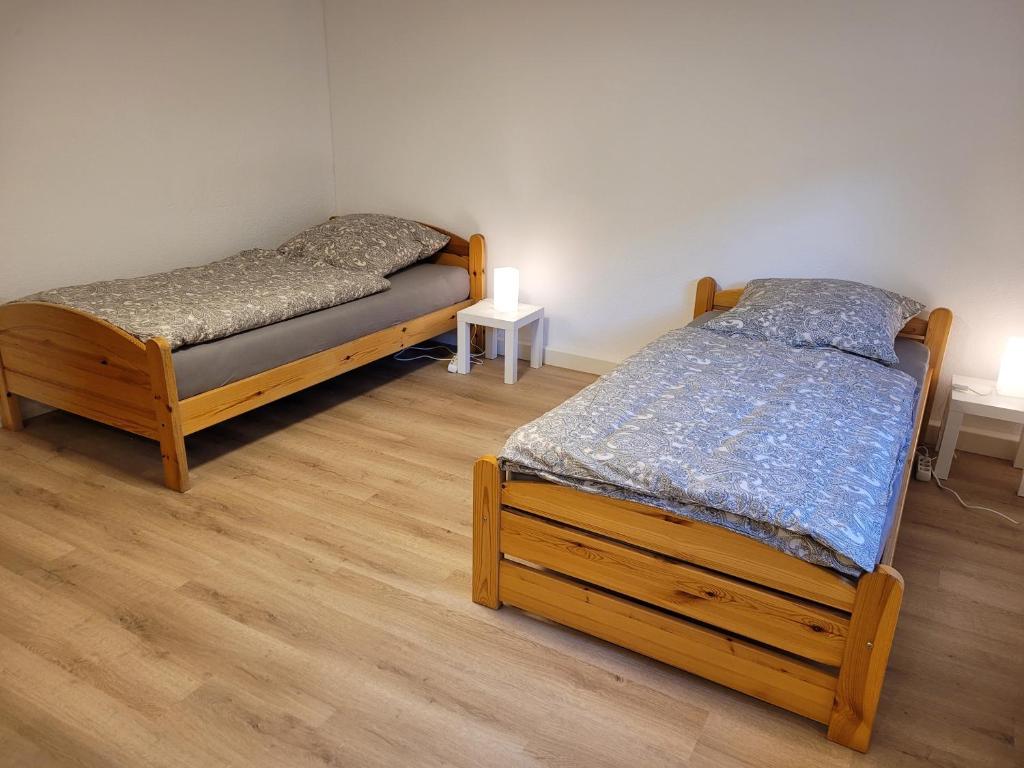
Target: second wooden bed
<point x="697" y="596"/>
<point x="76" y="362"/>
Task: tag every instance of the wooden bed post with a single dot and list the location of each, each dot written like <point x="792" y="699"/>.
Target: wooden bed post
<point x="477" y="267"/>
<point x="477" y="280"/>
<point x="10" y="407"/>
<point x="939" y="322"/>
<point x="705" y="298"/>
<point x="168" y="415"/>
<point x="486" y="521"/>
<point x="872" y="625"/>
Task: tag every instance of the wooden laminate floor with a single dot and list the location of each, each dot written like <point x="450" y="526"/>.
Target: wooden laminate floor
<point x="307" y="604"/>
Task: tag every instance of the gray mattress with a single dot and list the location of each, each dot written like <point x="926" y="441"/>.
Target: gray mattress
<point x="414" y="291"/>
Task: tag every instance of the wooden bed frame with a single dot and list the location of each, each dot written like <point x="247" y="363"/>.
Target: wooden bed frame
<point x="79" y="363"/>
<point x="694" y="595"/>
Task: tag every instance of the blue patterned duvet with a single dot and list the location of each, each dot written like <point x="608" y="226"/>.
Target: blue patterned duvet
<point x="797" y="448"/>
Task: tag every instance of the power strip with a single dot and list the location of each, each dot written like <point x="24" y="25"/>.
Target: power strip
<point x="924" y="468"/>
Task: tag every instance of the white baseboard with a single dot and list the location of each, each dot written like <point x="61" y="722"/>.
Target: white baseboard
<point x="568" y="360"/>
<point x="573" y="362"/>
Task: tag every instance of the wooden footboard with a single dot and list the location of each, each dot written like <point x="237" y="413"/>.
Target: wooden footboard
<point x="79" y="363"/>
<point x="693" y="595"/>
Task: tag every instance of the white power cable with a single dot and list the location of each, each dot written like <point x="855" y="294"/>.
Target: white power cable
<point x="923" y="451"/>
<point x="433" y="348"/>
<point x="968" y="388"/>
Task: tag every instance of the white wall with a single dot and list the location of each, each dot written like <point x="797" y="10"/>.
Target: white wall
<point x="139" y="135"/>
<point x="616" y="151"/>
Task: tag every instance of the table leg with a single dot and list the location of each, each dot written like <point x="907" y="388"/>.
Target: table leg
<point x="1019" y="462"/>
<point x="511" y="355"/>
<point x="537" y="344"/>
<point x="950" y="434"/>
<point x="490" y="343"/>
<point x="462" y="356"/>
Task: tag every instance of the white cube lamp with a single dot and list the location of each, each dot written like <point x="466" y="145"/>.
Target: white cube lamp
<point x="1011" y="372"/>
<point x="506" y="289"/>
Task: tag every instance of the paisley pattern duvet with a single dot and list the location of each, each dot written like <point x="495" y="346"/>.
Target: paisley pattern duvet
<point x="196" y="304"/>
<point x="798" y="448"/>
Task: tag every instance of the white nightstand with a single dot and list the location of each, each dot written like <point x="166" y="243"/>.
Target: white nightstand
<point x="992" y="406"/>
<point x="483" y="313"/>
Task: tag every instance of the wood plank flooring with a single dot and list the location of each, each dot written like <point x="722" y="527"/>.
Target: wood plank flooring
<point x="307" y="604"/>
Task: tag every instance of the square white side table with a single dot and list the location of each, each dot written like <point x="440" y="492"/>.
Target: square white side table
<point x="483" y="313"/>
<point x="967" y="402"/>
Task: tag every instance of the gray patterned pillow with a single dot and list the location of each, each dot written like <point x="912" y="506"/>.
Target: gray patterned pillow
<point x="367" y="242"/>
<point x="850" y="316"/>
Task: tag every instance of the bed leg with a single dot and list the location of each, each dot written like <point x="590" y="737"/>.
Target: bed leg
<point x="168" y="416"/>
<point x="872" y="625"/>
<point x="10" y="406"/>
<point x="486" y="519"/>
<point x="704" y="299"/>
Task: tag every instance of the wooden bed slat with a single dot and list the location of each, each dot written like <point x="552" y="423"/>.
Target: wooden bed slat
<point x="86" y="374"/>
<point x="233" y="399"/>
<point x="700" y="543"/>
<point x="726" y="299"/>
<point x="84" y="403"/>
<point x="784" y="623"/>
<point x="745" y="667"/>
<point x="448" y="259"/>
<point x="36" y="347"/>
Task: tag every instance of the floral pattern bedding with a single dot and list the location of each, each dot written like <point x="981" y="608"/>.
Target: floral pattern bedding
<point x="853" y="317"/>
<point x="370" y="242"/>
<point x="196" y="304"/>
<point x="796" y="447"/>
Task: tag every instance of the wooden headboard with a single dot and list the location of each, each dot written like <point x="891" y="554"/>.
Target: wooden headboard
<point x="468" y="254"/>
<point x="932" y="331"/>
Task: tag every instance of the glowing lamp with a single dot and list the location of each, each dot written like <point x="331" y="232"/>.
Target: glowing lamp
<point x="506" y="289"/>
<point x="1011" y="372"/>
